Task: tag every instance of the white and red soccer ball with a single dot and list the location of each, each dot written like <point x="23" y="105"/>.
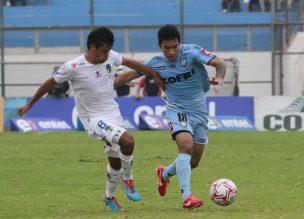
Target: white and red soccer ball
<point x="223" y="192"/>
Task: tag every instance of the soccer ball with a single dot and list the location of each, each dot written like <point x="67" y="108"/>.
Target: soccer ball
<point x="223" y="192"/>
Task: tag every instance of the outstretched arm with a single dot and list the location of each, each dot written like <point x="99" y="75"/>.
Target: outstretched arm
<point x="43" y="89"/>
<point x="125" y="77"/>
<point x="220" y="66"/>
<point x="142" y="68"/>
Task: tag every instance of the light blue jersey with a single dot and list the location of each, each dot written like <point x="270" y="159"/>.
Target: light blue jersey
<point x="186" y="84"/>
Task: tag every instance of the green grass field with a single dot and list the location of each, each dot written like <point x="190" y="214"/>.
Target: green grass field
<point x="62" y="175"/>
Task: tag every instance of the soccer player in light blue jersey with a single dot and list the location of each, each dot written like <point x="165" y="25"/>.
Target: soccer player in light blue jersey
<point x="181" y="66"/>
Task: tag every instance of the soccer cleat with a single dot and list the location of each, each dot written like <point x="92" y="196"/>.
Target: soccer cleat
<point x="130" y="190"/>
<point x="161" y="183"/>
<point x="192" y="202"/>
<point x="112" y="203"/>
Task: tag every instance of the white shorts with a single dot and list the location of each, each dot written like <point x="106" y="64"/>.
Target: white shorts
<point x="106" y="130"/>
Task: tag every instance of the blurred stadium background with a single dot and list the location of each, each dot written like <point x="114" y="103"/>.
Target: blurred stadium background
<point x="264" y="50"/>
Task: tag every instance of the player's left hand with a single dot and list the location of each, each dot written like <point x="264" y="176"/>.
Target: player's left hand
<point x="216" y="81"/>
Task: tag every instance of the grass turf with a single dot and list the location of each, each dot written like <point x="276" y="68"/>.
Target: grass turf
<point x="62" y="175"/>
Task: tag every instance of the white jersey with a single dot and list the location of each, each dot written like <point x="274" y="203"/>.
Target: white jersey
<point x="92" y="85"/>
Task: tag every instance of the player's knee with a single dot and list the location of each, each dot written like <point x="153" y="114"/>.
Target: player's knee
<point x="126" y="142"/>
<point x="187" y="148"/>
<point x="126" y="139"/>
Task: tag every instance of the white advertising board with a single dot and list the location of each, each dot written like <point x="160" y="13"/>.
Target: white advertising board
<point x="279" y="113"/>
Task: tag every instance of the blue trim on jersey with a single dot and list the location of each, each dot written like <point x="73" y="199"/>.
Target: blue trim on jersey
<point x="214" y="56"/>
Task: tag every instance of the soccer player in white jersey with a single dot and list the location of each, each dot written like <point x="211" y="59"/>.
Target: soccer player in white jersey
<point x="181" y="66"/>
<point x="91" y="76"/>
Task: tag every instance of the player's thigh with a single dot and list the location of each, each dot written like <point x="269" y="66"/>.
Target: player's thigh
<point x="178" y="122"/>
<point x="200" y="133"/>
<point x="184" y="142"/>
<point x="107" y="130"/>
<point x="180" y="130"/>
<point x="111" y="149"/>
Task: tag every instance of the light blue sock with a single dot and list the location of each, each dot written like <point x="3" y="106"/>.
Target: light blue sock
<point x="183" y="170"/>
<point x="170" y="170"/>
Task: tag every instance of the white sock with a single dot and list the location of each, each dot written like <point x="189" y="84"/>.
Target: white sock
<point x="126" y="166"/>
<point x="113" y="178"/>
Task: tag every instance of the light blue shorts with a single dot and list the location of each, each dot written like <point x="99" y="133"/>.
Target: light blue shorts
<point x="179" y="121"/>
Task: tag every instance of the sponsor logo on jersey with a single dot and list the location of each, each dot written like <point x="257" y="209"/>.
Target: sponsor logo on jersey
<point x="97" y="74"/>
<point x="109" y="68"/>
<point x="206" y="52"/>
<point x="171" y="66"/>
<point x="74" y="65"/>
<point x="179" y="77"/>
<point x="81" y="64"/>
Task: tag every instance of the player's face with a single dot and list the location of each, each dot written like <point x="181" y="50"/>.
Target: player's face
<point x="102" y="53"/>
<point x="170" y="48"/>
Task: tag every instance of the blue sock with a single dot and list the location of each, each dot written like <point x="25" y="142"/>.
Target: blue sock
<point x="170" y="170"/>
<point x="183" y="170"/>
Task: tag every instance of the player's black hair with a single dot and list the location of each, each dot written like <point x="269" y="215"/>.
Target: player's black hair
<point x="168" y="32"/>
<point x="100" y="36"/>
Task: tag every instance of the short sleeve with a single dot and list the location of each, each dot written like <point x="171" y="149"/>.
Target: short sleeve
<point x="201" y="55"/>
<point x="64" y="73"/>
<point x="117" y="58"/>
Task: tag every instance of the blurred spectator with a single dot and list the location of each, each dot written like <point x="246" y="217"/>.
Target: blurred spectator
<point x="23" y="2"/>
<point x="35" y="2"/>
<point x="230" y="6"/>
<point x="225" y="5"/>
<point x="148" y="87"/>
<point x="254" y="5"/>
<point x="10" y="2"/>
<point x="265" y="5"/>
<point x="59" y="90"/>
<point x="15" y="2"/>
<point x="282" y="4"/>
<point x="235" y="6"/>
<point x="123" y="90"/>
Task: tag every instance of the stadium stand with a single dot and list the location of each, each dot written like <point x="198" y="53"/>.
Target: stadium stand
<point x="135" y="13"/>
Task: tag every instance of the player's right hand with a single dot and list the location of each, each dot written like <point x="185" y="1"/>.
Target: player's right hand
<point x="23" y="109"/>
<point x="216" y="81"/>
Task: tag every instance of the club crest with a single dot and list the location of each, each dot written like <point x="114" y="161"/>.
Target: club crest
<point x="183" y="61"/>
<point x="109" y="68"/>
